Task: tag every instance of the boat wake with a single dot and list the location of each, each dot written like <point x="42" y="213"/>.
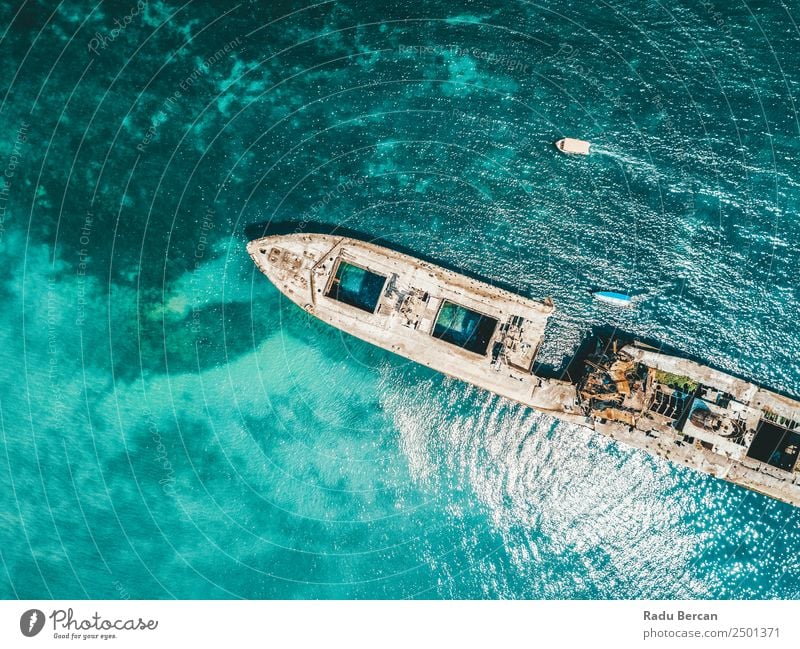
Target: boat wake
<point x="633" y="165"/>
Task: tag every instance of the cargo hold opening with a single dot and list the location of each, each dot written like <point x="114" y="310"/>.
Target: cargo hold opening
<point x="464" y="328"/>
<point x="356" y="286"/>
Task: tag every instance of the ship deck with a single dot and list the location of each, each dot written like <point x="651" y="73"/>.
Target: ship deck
<point x="455" y="324"/>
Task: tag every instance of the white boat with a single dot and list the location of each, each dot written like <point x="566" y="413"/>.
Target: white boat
<point x="571" y="145"/>
<point x="617" y="299"/>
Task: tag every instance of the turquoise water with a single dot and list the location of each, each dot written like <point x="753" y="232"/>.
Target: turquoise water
<point x="172" y="427"/>
<point x="357" y="287"/>
<point x="460" y="326"/>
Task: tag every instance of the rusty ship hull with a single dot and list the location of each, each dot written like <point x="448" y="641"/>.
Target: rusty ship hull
<point x="667" y="405"/>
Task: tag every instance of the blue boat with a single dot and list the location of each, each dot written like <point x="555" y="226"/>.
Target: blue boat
<point x="617" y="299"/>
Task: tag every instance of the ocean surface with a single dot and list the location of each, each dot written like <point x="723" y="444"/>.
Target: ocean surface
<point x="173" y="427"/>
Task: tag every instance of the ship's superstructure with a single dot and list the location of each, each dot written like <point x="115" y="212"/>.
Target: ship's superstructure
<point x="692" y="414"/>
<point x="489" y="337"/>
